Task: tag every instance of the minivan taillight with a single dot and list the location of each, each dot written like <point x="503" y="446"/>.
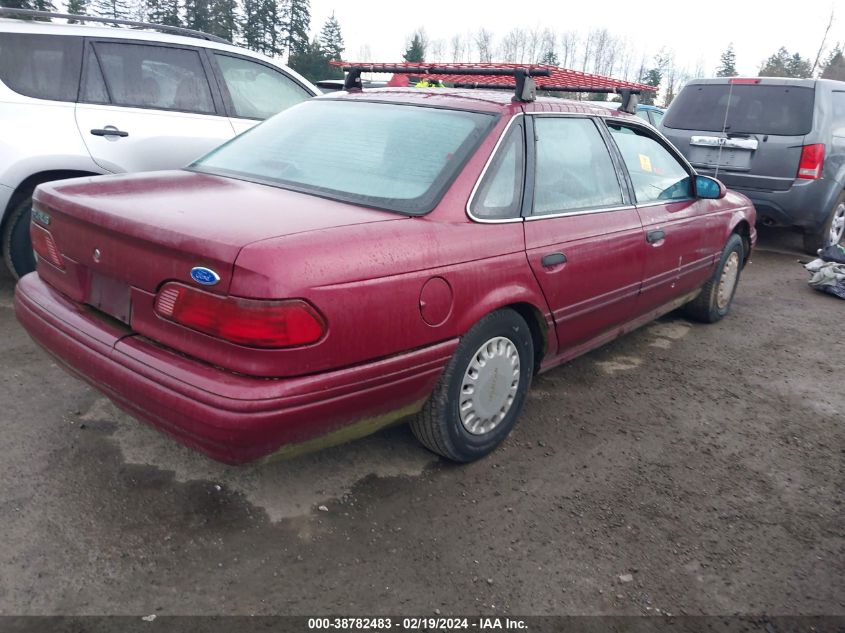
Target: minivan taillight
<point x="44" y="245"/>
<point x="812" y="160"/>
<point x="250" y="322"/>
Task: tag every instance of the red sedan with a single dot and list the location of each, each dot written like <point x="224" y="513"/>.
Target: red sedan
<point x="365" y="257"/>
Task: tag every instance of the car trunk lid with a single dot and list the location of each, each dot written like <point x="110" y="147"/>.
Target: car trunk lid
<point x="142" y="230"/>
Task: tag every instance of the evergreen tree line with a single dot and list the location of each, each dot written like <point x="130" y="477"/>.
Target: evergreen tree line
<point x="785" y="64"/>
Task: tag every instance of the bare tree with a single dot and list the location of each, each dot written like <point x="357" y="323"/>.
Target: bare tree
<point x="457" y="48"/>
<point x="514" y="44"/>
<point x="436" y="51"/>
<point x="484" y="45"/>
<point x="824" y="39"/>
<point x="568" y="48"/>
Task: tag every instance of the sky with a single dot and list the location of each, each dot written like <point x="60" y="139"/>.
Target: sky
<point x="697" y="32"/>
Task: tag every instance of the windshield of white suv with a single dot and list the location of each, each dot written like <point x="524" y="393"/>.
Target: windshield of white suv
<point x="394" y="157"/>
<point x="754" y="109"/>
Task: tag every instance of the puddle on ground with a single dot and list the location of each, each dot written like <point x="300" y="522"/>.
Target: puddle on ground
<point x="665" y="333"/>
<point x="284" y="489"/>
<point x="619" y="363"/>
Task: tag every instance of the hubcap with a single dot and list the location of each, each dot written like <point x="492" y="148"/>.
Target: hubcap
<point x="837" y="226"/>
<point x="489" y="385"/>
<point x="730" y="273"/>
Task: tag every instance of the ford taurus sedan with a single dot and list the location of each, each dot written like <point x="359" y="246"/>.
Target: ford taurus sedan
<point x="367" y="257"/>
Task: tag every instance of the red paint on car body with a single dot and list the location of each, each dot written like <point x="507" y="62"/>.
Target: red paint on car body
<point x="395" y="292"/>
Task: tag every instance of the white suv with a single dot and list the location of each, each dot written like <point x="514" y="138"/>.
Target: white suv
<point x="79" y="100"/>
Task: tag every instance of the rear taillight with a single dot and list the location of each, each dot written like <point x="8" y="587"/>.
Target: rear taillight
<point x="44" y="245"/>
<point x="744" y="80"/>
<point x="250" y="322"/>
<point x="812" y="160"/>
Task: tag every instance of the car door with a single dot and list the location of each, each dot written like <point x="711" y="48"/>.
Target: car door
<point x="583" y="237"/>
<point x="253" y="90"/>
<point x="148" y="106"/>
<point x="680" y="230"/>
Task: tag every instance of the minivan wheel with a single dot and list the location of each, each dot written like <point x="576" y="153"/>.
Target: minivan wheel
<point x="17" y="248"/>
<point x="832" y="232"/>
<point x="714" y="300"/>
<point x="482" y="390"/>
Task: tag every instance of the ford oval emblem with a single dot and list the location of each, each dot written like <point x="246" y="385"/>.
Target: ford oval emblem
<point x="204" y="276"/>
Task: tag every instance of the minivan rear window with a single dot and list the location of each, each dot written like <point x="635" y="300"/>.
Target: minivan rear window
<point x="754" y="109"/>
<point x="41" y="66"/>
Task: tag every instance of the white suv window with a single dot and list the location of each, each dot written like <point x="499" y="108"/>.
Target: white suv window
<point x="41" y="66"/>
<point x="164" y="78"/>
<point x="258" y="91"/>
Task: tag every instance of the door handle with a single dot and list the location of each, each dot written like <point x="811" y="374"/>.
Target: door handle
<point x="109" y="130"/>
<point x="553" y="259"/>
<point x="653" y="237"/>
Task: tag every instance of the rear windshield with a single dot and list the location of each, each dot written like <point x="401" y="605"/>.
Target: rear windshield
<point x="394" y="157"/>
<point x="754" y="109"/>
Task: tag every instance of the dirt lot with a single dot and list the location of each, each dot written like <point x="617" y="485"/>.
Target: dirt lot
<point x="704" y="461"/>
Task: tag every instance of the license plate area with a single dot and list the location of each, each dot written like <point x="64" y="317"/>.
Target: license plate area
<point x="739" y="159"/>
<point x="111" y="296"/>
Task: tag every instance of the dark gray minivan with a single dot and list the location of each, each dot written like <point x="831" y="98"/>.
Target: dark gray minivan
<point x="779" y="141"/>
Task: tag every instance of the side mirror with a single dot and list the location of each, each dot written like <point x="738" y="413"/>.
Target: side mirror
<point x="709" y="188"/>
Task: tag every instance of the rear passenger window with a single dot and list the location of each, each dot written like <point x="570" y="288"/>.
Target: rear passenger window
<point x="655" y="173"/>
<point x="258" y="91"/>
<point x="839" y="113"/>
<point x="157" y="77"/>
<point x="93" y="85"/>
<point x="41" y="66"/>
<point x="574" y="169"/>
<point x="500" y="194"/>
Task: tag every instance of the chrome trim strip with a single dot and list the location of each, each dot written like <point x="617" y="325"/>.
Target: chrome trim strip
<point x="562" y="214"/>
<point x="721" y="141"/>
<point x="484" y="172"/>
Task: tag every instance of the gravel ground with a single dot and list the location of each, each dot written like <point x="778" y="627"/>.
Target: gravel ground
<point x="685" y="468"/>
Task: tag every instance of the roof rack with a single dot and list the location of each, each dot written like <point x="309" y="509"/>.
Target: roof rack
<point x="176" y="30"/>
<point x="506" y="76"/>
<point x="524" y="85"/>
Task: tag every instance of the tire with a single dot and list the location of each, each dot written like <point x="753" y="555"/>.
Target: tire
<point x="17" y="248"/>
<point x="832" y="232"/>
<point x="714" y="300"/>
<point x="499" y="337"/>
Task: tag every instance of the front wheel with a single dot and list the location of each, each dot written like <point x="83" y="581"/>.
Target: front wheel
<point x="832" y="232"/>
<point x="714" y="300"/>
<point x="17" y="247"/>
<point x="482" y="390"/>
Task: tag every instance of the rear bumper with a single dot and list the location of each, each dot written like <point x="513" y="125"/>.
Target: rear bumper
<point x="229" y="417"/>
<point x="805" y="205"/>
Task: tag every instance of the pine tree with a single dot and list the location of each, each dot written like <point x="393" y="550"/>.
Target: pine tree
<point x="799" y="67"/>
<point x="727" y="63"/>
<point x="416" y="48"/>
<point x="550" y="57"/>
<point x="116" y="9"/>
<point x="313" y="62"/>
<point x="163" y="12"/>
<point x="296" y="25"/>
<point x="251" y="30"/>
<point x="834" y="67"/>
<point x="77" y="7"/>
<point x="16" y="4"/>
<point x="331" y="40"/>
<point x="198" y="15"/>
<point x="224" y="19"/>
<point x="782" y="64"/>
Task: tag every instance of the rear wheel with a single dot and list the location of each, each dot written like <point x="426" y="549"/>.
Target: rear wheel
<point x="17" y="248"/>
<point x="482" y="390"/>
<point x="714" y="301"/>
<point x="832" y="232"/>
